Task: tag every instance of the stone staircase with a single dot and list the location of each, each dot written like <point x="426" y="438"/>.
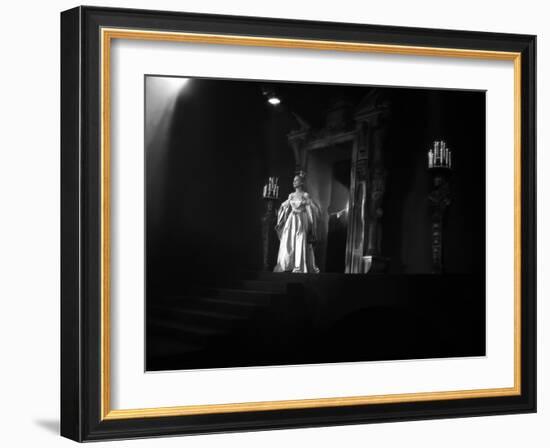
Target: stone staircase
<point x="219" y="322"/>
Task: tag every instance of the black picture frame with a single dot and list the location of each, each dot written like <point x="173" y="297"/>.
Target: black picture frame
<point x="82" y="412"/>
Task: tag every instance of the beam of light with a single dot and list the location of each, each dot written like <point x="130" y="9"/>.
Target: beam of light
<point x="274" y="101"/>
<point x="161" y="94"/>
<point x="173" y="84"/>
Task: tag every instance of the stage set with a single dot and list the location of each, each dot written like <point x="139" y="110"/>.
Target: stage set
<point x="291" y="223"/>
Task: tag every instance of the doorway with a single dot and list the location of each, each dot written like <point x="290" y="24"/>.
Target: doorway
<point x="329" y="179"/>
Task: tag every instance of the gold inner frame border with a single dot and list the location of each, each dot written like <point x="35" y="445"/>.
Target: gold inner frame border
<point x="107" y="35"/>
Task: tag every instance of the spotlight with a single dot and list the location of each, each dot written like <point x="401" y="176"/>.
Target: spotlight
<point x="272" y="97"/>
<point x="274" y="101"/>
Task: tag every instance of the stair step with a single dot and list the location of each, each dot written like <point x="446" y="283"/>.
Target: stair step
<point x="191" y="334"/>
<point x="160" y="346"/>
<point x="214" y="304"/>
<point x="265" y="285"/>
<point x="283" y="277"/>
<point x="247" y="283"/>
<point x="237" y="294"/>
<point x="197" y="316"/>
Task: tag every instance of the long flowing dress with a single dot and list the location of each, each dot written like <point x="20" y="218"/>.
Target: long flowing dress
<point x="297" y="223"/>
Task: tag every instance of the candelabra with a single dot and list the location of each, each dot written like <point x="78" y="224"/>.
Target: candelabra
<point x="270" y="196"/>
<point x="440" y="165"/>
<point x="440" y="156"/>
<point x="271" y="189"/>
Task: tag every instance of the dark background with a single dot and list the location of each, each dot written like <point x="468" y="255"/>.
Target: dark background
<point x="207" y="164"/>
<point x="209" y="151"/>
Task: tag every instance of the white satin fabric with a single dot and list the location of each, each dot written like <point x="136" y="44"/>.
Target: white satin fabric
<point x="297" y="222"/>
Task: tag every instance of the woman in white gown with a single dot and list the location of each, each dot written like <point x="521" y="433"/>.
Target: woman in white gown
<point x="297" y="223"/>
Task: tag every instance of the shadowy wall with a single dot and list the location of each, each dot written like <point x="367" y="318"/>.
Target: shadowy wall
<point x="211" y="147"/>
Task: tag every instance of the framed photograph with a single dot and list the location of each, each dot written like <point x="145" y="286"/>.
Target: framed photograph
<point x="274" y="224"/>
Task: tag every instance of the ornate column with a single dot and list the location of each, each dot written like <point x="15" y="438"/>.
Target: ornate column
<point x="270" y="241"/>
<point x="297" y="140"/>
<point x="373" y="117"/>
<point x="269" y="236"/>
<point x="358" y="189"/>
<point x="440" y="167"/>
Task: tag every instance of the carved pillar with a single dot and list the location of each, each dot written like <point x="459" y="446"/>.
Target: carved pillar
<point x="297" y="140"/>
<point x="440" y="200"/>
<point x="373" y="117"/>
<point x="376" y="188"/>
<point x="358" y="188"/>
<point x="269" y="235"/>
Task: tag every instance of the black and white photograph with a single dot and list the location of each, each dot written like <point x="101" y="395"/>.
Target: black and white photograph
<point x="293" y="223"/>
